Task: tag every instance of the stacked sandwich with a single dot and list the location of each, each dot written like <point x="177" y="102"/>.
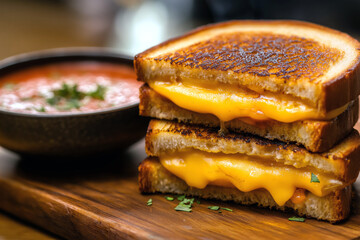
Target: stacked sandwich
<point x="256" y="112"/>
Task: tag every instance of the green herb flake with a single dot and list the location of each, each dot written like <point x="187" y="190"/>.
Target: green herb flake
<point x="181" y="197"/>
<point x="68" y="96"/>
<point x="53" y="101"/>
<point x="183" y="208"/>
<point x="169" y="198"/>
<point x="188" y="201"/>
<point x="149" y="202"/>
<point x="215" y="208"/>
<point x="69" y="92"/>
<point x="314" y="178"/>
<point x="297" y="219"/>
<point x="40" y="109"/>
<point x="198" y="201"/>
<point x="220" y="211"/>
<point x="185" y="204"/>
<point x="227" y="209"/>
<point x="99" y="93"/>
<point x="70" y="104"/>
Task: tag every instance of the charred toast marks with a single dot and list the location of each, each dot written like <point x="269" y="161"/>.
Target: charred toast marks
<point x="287" y="57"/>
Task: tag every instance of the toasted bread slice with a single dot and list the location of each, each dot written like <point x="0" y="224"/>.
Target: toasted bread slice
<point x="316" y="136"/>
<point x="342" y="161"/>
<point x="300" y="60"/>
<point x="334" y="207"/>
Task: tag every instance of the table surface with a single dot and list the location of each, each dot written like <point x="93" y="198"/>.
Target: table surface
<point x="12" y="227"/>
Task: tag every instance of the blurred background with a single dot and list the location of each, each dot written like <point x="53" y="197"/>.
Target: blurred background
<point x="131" y="26"/>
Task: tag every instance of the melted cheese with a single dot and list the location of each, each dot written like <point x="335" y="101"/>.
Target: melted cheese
<point x="227" y="103"/>
<point x="199" y="169"/>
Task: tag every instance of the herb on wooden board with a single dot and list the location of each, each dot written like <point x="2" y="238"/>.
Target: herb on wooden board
<point x="297" y="219"/>
<point x="215" y="208"/>
<point x="185" y="205"/>
<point x="227" y="209"/>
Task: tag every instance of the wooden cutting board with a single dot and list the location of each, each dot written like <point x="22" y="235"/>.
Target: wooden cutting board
<point x="99" y="199"/>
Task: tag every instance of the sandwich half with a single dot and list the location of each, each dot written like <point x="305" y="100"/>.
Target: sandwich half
<point x="286" y="80"/>
<point x="194" y="160"/>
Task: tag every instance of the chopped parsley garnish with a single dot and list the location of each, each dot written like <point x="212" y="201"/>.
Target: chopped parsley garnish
<point x="188" y="201"/>
<point x="215" y="208"/>
<point x="183" y="208"/>
<point x="99" y="93"/>
<point x="69" y="92"/>
<point x="70" y="104"/>
<point x="198" y="201"/>
<point x="181" y="197"/>
<point x="149" y="202"/>
<point x="169" y="198"/>
<point x="40" y="109"/>
<point x="68" y="96"/>
<point x="227" y="209"/>
<point x="314" y="178"/>
<point x="185" y="205"/>
<point x="297" y="219"/>
<point x="52" y="101"/>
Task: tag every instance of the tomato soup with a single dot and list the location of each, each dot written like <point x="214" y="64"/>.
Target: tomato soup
<point x="69" y="87"/>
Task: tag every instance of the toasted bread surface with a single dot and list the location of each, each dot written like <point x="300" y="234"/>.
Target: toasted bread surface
<point x="342" y="161"/>
<point x="302" y="60"/>
<point x="153" y="177"/>
<point x="316" y="136"/>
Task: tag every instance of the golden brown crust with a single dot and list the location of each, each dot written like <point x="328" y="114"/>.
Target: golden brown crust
<point x="342" y="161"/>
<point x="316" y="136"/>
<point x="219" y="52"/>
<point x="334" y="92"/>
<point x="333" y="207"/>
<point x="244" y="22"/>
<point x="146" y="170"/>
<point x="343" y="88"/>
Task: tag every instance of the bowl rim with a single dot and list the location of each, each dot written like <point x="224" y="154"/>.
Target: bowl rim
<point x="62" y="54"/>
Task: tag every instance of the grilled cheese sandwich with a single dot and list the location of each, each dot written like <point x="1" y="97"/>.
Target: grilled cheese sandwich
<point x="287" y="80"/>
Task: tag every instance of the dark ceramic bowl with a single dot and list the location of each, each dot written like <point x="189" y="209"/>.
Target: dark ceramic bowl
<point x="69" y="134"/>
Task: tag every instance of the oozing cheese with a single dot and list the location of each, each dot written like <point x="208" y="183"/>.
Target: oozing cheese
<point x="199" y="169"/>
<point x="228" y="104"/>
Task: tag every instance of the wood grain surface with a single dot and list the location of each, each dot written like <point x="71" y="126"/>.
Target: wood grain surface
<point x="99" y="199"/>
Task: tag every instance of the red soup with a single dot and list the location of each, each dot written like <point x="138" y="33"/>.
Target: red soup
<point x="69" y="87"/>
